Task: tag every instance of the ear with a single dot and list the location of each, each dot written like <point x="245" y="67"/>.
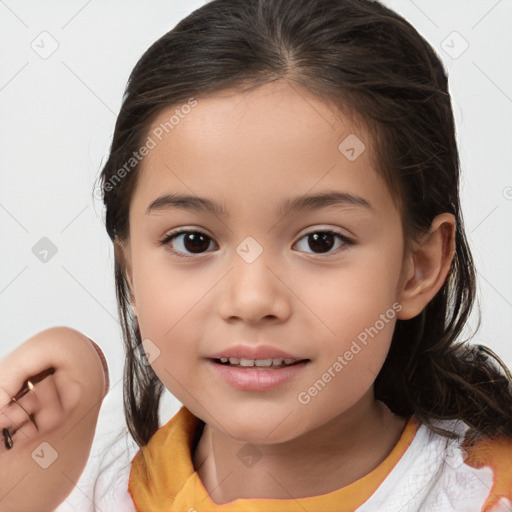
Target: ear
<point x="123" y="256"/>
<point x="427" y="266"/>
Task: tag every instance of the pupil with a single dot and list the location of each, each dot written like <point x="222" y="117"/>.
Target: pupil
<point x="321" y="241"/>
<point x="195" y="242"/>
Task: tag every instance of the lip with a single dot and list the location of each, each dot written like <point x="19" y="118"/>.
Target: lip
<point x="256" y="379"/>
<point x="257" y="352"/>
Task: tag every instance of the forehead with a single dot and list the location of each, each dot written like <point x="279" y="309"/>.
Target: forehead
<point x="279" y="138"/>
<point x="278" y="114"/>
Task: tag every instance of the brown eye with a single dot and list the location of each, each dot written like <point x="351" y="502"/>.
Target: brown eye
<point x="185" y="243"/>
<point x="195" y="242"/>
<point x="319" y="242"/>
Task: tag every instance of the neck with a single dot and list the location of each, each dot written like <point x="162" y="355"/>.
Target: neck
<point x="339" y="453"/>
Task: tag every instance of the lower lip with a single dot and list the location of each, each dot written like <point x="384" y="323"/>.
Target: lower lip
<point x="254" y="379"/>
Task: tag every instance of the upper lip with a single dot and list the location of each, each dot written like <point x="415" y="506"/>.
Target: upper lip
<point x="256" y="352"/>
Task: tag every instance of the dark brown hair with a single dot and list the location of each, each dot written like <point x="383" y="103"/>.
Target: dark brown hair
<point x="369" y="61"/>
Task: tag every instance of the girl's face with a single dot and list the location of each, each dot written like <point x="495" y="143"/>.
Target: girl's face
<point x="249" y="277"/>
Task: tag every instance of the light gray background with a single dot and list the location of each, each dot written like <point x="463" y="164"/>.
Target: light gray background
<point x="57" y="115"/>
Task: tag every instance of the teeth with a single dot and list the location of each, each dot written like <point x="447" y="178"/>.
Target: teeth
<point x="257" y="362"/>
<point x="263" y="362"/>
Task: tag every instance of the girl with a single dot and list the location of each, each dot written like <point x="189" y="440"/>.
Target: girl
<point x="291" y="264"/>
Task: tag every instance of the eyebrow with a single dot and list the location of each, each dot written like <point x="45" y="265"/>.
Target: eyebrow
<point x="297" y="204"/>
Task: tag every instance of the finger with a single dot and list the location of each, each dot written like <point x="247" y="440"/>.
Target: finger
<point x="30" y="359"/>
<point x="42" y="405"/>
<point x="48" y="410"/>
<point x="20" y="436"/>
<point x="40" y="413"/>
<point x="12" y="417"/>
<point x="17" y="411"/>
<point x="27" y="403"/>
<point x="29" y="383"/>
<point x="59" y="348"/>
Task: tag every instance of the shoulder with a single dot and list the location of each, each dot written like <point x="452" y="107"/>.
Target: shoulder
<point x="496" y="454"/>
<point x="481" y="469"/>
<point x="439" y="474"/>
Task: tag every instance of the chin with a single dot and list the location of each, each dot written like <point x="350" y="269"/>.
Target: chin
<point x="258" y="426"/>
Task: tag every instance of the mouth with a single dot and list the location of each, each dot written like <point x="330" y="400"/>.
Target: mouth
<point x="258" y="364"/>
<point x="257" y="375"/>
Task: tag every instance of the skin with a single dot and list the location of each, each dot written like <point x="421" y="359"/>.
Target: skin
<point x="65" y="407"/>
<point x="250" y="152"/>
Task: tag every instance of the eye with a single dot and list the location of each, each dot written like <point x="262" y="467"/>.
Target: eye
<point x="324" y="241"/>
<point x="183" y="241"/>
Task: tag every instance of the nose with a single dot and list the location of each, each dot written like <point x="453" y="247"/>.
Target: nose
<point x="253" y="292"/>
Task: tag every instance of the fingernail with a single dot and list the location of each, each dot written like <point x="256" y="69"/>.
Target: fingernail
<point x="103" y="363"/>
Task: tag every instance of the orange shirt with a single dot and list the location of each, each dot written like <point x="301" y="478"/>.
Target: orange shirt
<point x="428" y="474"/>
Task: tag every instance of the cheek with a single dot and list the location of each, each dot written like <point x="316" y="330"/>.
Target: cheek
<point x="349" y="300"/>
<point x="164" y="292"/>
<point x="168" y="322"/>
<point x="348" y="362"/>
<point x="356" y="312"/>
<point x="170" y="315"/>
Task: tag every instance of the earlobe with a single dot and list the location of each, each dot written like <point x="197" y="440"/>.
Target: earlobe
<point x="121" y="255"/>
<point x="427" y="266"/>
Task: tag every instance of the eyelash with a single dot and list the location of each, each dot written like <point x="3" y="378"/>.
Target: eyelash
<point x="346" y="242"/>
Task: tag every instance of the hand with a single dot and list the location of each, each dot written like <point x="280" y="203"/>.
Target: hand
<point x="58" y="378"/>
